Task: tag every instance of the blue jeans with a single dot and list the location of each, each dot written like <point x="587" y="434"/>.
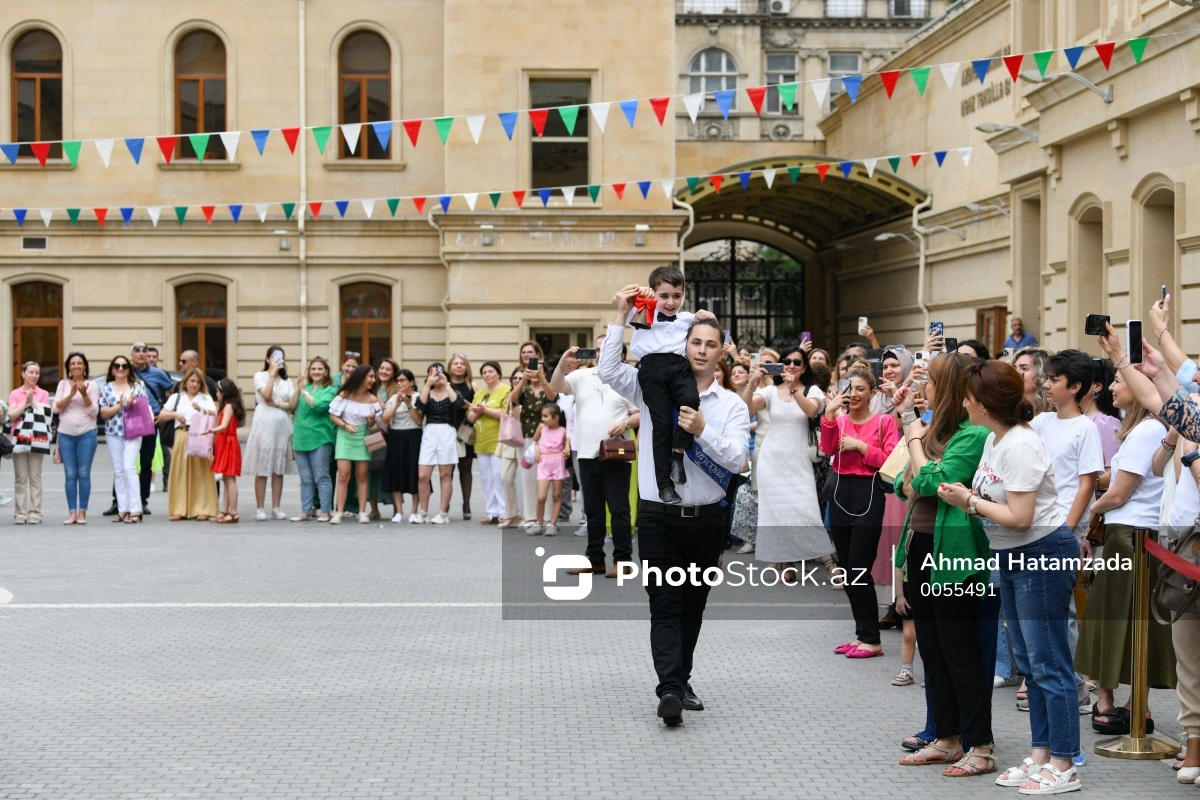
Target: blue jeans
<point x="1006" y="663"/>
<point x="77" y="453"/>
<point x="313" y="466"/>
<point x="1037" y="604"/>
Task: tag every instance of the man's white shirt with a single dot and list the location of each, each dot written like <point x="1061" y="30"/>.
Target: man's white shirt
<point x="597" y="408"/>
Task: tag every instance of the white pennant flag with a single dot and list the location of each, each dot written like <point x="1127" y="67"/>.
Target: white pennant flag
<point x="569" y="194"/>
<point x="870" y="163"/>
<point x="475" y="125"/>
<point x="769" y="176"/>
<point x="668" y="186"/>
<point x="693" y="103"/>
<point x="261" y="208"/>
<point x="230" y="140"/>
<point x="368" y="206"/>
<point x="600" y="112"/>
<point x="949" y="73"/>
<point x="965" y="152"/>
<point x="154" y="211"/>
<point x="104" y="148"/>
<point x="821" y="90"/>
<point x="351" y="133"/>
<point x="471" y="197"/>
<point x="47" y="215"/>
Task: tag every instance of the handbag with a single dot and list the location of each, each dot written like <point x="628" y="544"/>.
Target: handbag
<point x="528" y="458"/>
<point x="618" y="449"/>
<point x="896" y="463"/>
<point x="510" y="431"/>
<point x="138" y="419"/>
<point x="376" y="443"/>
<point x="200" y="436"/>
<point x="1174" y="591"/>
<point x="6" y="446"/>
<point x="466" y="434"/>
<point x="1095" y="531"/>
<point x="33" y="434"/>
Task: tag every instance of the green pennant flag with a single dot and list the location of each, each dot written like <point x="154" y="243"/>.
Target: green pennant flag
<point x="794" y="173"/>
<point x="1042" y="59"/>
<point x="443" y="127"/>
<point x="321" y="137"/>
<point x="569" y="115"/>
<point x="72" y="151"/>
<point x="73" y="213"/>
<point x="692" y="184"/>
<point x="199" y="142"/>
<point x="288" y="208"/>
<point x="393" y="204"/>
<point x="920" y="76"/>
<point x="1138" y="48"/>
<point x="895" y="162"/>
<point x="495" y="198"/>
<point x="787" y="93"/>
<point x="594" y="191"/>
<point x="181" y="213"/>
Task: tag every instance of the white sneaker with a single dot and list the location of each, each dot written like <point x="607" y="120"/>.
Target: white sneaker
<point x="440" y="518"/>
<point x="999" y="682"/>
<point x="398" y="518"/>
<point x="746" y="548"/>
<point x="552" y="530"/>
<point x="418" y="519"/>
<point x="581" y="530"/>
<point x="335" y="518"/>
<point x="261" y="515"/>
<point x="5" y="499"/>
<point x="533" y="529"/>
<point x="277" y="513"/>
<point x="363" y="517"/>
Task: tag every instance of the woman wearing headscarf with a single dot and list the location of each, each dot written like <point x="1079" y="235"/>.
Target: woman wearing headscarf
<point x="897" y="366"/>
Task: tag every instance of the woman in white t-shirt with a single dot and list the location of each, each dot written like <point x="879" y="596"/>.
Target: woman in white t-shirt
<point x="1013" y="491"/>
<point x="1130" y="508"/>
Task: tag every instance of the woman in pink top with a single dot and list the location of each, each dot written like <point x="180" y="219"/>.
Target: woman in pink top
<point x="77" y="401"/>
<point x="862" y="441"/>
<point x="27" y="466"/>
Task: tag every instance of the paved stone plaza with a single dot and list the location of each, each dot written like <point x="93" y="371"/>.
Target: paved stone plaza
<point x="277" y="659"/>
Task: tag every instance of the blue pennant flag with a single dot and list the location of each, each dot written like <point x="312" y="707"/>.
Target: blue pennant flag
<point x="127" y="214"/>
<point x="645" y="187"/>
<point x="940" y="155"/>
<point x="1073" y="54"/>
<point x="545" y="195"/>
<point x="724" y="101"/>
<point x="342" y="205"/>
<point x="235" y="212"/>
<point x="508" y="119"/>
<point x="10" y="152"/>
<point x="19" y="213"/>
<point x="981" y="67"/>
<point x="135" y="149"/>
<point x="852" y="83"/>
<point x="744" y="177"/>
<point x="260" y="139"/>
<point x="846" y="167"/>
<point x="630" y="109"/>
<point x="383" y="132"/>
<point x="444" y="199"/>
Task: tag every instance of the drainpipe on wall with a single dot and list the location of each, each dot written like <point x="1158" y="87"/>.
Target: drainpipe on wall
<point x="442" y="257"/>
<point x="302" y="246"/>
<point x="691" y="212"/>
<point x="916" y="226"/>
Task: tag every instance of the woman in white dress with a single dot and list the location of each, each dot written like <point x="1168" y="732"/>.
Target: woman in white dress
<point x="269" y="446"/>
<point x="790" y="528"/>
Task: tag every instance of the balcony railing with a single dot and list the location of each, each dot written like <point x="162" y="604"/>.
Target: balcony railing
<point x="720" y="7"/>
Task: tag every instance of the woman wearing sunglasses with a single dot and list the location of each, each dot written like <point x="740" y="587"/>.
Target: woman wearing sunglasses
<point x="122" y="386"/>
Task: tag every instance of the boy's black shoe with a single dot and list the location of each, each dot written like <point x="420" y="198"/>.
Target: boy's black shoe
<point x="678" y="475"/>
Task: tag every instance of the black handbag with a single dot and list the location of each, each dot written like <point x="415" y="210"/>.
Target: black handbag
<point x="6" y="446"/>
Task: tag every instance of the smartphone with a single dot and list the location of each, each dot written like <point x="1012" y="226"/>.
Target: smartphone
<point x="753" y="358"/>
<point x="772" y="369"/>
<point x="805" y="336"/>
<point x="936" y="329"/>
<point x="843" y="385"/>
<point x="951" y="344"/>
<point x="1134" y="330"/>
<point x="1094" y="324"/>
<point x="862" y="323"/>
<point x="876" y="367"/>
<point x="1009" y="352"/>
<point x="586" y="354"/>
<point x="927" y="417"/>
<point x="532" y="364"/>
<point x="728" y="337"/>
<point x="1164" y="297"/>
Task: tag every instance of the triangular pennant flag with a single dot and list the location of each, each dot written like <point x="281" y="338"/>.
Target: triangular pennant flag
<point x="769" y="176"/>
<point x="940" y="155"/>
<point x="594" y="191"/>
<point x="235" y="211"/>
<point x="949" y="73"/>
<point x="315" y="208"/>
<point x="693" y="184"/>
<point x="208" y="213"/>
<point x="629" y="109"/>
<point x="10" y="152"/>
<point x="668" y="187"/>
<point x="127" y="214"/>
<point x="644" y="188"/>
<point x="619" y="190"/>
<point x="475" y="125"/>
<point x="261" y="208"/>
<point x="965" y="154"/>
<point x="822" y="171"/>
<point x="352" y="132"/>
<point x="545" y="195"/>
<point x="419" y="204"/>
<point x="41" y="150"/>
<point x="569" y="116"/>
<point x="291" y="136"/>
<point x="980" y="66"/>
<point x="568" y="193"/>
<point x="820" y="88"/>
<point x="659" y="104"/>
<point x="787" y="93"/>
<point x="894" y="161"/>
<point x="1042" y="59"/>
<point x="600" y="113"/>
<point x="1073" y="54"/>
<point x="716" y="181"/>
<point x="916" y="158"/>
<point x="383" y="133"/>
<point x="1138" y="48"/>
<point x="73" y="215"/>
<point x="495" y="198"/>
<point x="693" y="103"/>
<point x="288" y="209"/>
<point x="1013" y="63"/>
<point x="920" y="77"/>
<point x="756" y="95"/>
<point x="537" y="117"/>
<point x="889" y="79"/>
<point x="870" y="163"/>
<point x="72" y="151"/>
<point x="20" y="213"/>
<point x="744" y="177"/>
<point x="181" y="213"/>
<point x="101" y="215"/>
<point x="134" y="146"/>
<point x="393" y="203"/>
<point x="166" y="146"/>
<point x="320" y="135"/>
<point x="368" y="206"/>
<point x="413" y="128"/>
<point x="519" y="196"/>
<point x="341" y="206"/>
<point x="154" y="211"/>
<point x="1105" y="51"/>
<point x="471" y="197"/>
<point x="443" y="125"/>
<point x="793" y="174"/>
<point x="47" y="214"/>
<point x="724" y="101"/>
<point x="851" y="84"/>
<point x="199" y="142"/>
<point x="846" y="167"/>
<point x="230" y="140"/>
<point x="104" y="148"/>
<point x="260" y="139"/>
<point x="508" y="121"/>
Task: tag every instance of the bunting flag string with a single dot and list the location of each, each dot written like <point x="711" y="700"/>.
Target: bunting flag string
<point x="693" y="104"/>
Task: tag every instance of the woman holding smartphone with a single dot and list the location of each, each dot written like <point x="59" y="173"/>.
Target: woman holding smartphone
<point x="269" y="445"/>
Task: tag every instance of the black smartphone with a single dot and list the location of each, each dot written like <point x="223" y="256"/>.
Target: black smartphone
<point x="772" y="369"/>
<point x="1094" y="324"/>
<point x="1134" y="330"/>
<point x="935" y="329"/>
<point x="1164" y="291"/>
<point x="586" y="354"/>
<point x="951" y="344"/>
<point x="532" y="364"/>
<point x="877" y="367"/>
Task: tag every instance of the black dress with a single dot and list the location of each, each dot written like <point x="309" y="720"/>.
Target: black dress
<point x="465" y="392"/>
<point x="403" y="452"/>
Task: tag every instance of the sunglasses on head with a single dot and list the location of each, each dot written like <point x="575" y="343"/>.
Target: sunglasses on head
<point x="792" y="362"/>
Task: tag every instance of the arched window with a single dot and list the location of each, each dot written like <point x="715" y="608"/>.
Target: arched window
<point x="367" y="320"/>
<point x="712" y="70"/>
<point x="1158" y="246"/>
<point x="200" y="314"/>
<point x="200" y="92"/>
<point x="365" y="81"/>
<point x="38" y="330"/>
<point x="37" y="91"/>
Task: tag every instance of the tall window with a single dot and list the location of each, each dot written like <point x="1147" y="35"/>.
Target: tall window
<point x="365" y="77"/>
<point x="560" y="157"/>
<point x="38" y="330"/>
<point x="367" y="320"/>
<point x="200" y="92"/>
<point x="37" y="91"/>
<point x="845" y="8"/>
<point x="916" y="9"/>
<point x="841" y="64"/>
<point x="781" y="68"/>
<point x="711" y="71"/>
<point x="200" y="314"/>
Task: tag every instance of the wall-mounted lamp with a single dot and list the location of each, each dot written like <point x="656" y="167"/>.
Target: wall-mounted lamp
<point x="486" y="238"/>
<point x="1033" y="76"/>
<point x="992" y="127"/>
<point x="639" y="235"/>
<point x="979" y="209"/>
<point x="284" y="242"/>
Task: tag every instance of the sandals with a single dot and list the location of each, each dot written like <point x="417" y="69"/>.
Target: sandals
<point x="1118" y="721"/>
<point x="914" y="743"/>
<point x="120" y="518"/>
<point x="133" y="519"/>
<point x="965" y="769"/>
<point x="1016" y="776"/>
<point x="920" y="757"/>
<point x="1055" y="783"/>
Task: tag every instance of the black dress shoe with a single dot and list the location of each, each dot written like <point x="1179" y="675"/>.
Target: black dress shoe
<point x="112" y="511"/>
<point x="669" y="496"/>
<point x="670" y="708"/>
<point x="145" y="510"/>
<point x="690" y="701"/>
<point x="678" y="475"/>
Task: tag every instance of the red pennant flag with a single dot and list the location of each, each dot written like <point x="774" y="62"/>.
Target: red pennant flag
<point x="619" y="188"/>
<point x="519" y="196"/>
<point x="538" y="117"/>
<point x="1013" y="63"/>
<point x="889" y="79"/>
<point x="166" y="144"/>
<point x="315" y="208"/>
<point x="717" y="180"/>
<point x="419" y="202"/>
<point x="41" y="150"/>
<point x="208" y="213"/>
<point x="756" y="95"/>
<point x="915" y="158"/>
<point x="822" y="169"/>
<point x="101" y="215"/>
<point x="413" y="128"/>
<point x="1105" y="51"/>
<point x="659" y="104"/>
<point x="290" y="135"/>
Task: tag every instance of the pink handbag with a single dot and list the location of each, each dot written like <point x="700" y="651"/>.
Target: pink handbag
<point x="200" y="436"/>
<point x="510" y="431"/>
<point x="138" y="419"/>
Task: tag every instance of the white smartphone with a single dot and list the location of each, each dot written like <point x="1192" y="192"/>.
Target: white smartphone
<point x="1133" y="330"/>
<point x="754" y="358"/>
<point x="862" y="323"/>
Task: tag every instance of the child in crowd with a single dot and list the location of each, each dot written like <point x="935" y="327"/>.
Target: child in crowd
<point x="227" y="453"/>
<point x="551" y="449"/>
<point x="903" y="615"/>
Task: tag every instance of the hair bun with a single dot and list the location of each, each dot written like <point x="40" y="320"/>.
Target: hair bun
<point x="1025" y="411"/>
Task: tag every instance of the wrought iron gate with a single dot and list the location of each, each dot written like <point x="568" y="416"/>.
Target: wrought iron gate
<point x="755" y="291"/>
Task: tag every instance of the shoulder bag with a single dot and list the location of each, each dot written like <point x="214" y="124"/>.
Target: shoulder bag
<point x="33" y="434"/>
<point x="1174" y="591"/>
<point x="138" y="419"/>
<point x="510" y="431"/>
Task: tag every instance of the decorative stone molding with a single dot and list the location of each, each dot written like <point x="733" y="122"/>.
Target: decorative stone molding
<point x="1119" y="130"/>
<point x="713" y="129"/>
<point x="1191" y="106"/>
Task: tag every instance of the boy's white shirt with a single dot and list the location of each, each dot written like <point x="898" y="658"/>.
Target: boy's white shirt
<point x="661" y="337"/>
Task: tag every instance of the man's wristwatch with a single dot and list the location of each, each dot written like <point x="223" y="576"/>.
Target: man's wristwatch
<point x="1189" y="458"/>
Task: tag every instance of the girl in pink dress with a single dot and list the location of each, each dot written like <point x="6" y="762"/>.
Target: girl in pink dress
<point x="552" y="448"/>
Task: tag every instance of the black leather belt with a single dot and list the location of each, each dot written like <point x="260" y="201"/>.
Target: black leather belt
<point x="683" y="512"/>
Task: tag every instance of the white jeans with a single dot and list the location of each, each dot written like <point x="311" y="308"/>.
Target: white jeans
<point x="529" y="488"/>
<point x="124" y="456"/>
<point x="493" y="491"/>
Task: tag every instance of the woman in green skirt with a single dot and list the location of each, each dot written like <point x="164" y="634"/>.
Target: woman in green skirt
<point x="354" y="411"/>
